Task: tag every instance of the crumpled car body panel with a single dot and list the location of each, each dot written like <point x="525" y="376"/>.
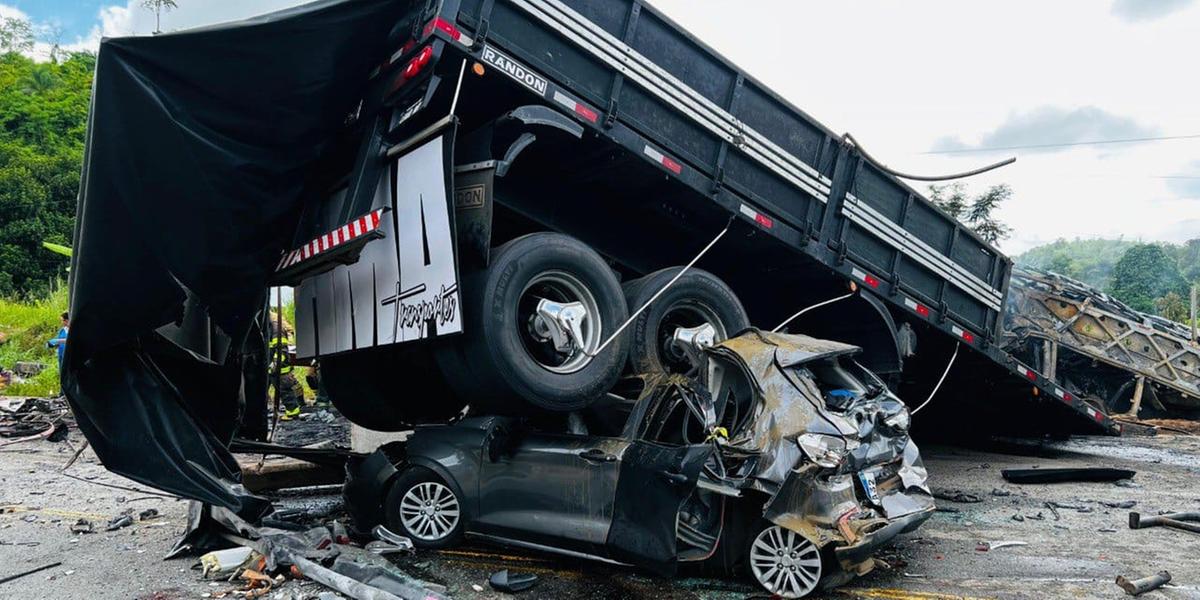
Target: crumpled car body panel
<point x="826" y="505"/>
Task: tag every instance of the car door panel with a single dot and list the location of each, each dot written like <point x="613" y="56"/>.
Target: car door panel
<point x="550" y="489"/>
<point x="653" y="482"/>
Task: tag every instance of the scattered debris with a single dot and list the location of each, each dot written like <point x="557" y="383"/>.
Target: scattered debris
<point x="1053" y="510"/>
<point x="1140" y="586"/>
<point x="1172" y="520"/>
<point x="986" y="546"/>
<point x="29" y="572"/>
<point x="1018" y="518"/>
<point x="1107" y="530"/>
<point x="956" y="496"/>
<point x="503" y="581"/>
<point x="124" y="520"/>
<point x="149" y="513"/>
<point x="1000" y="492"/>
<point x="1122" y="504"/>
<point x="223" y="563"/>
<point x="83" y="526"/>
<point x="1101" y="474"/>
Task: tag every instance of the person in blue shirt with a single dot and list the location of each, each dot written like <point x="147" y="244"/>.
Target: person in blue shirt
<point x="59" y="342"/>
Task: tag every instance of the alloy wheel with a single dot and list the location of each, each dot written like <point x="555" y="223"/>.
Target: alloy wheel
<point x="785" y="563"/>
<point x="429" y="511"/>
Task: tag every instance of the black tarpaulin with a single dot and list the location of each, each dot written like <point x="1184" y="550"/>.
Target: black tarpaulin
<point x="198" y="149"/>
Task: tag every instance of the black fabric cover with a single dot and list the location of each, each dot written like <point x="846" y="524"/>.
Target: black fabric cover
<point x="194" y="173"/>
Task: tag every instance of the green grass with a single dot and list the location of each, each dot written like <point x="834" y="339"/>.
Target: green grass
<point x="26" y="326"/>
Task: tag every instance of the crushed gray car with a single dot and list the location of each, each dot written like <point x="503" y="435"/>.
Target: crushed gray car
<point x="782" y="459"/>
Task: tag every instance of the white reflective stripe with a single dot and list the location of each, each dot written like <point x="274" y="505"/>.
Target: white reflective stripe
<point x="644" y="72"/>
<point x="565" y="100"/>
<point x="654" y="154"/>
<point x="1091" y="412"/>
<point x="355" y="229"/>
<point x="1022" y="370"/>
<point x="911" y="246"/>
<point x="627" y="54"/>
<point x="749" y="212"/>
<point x="910" y="303"/>
<point x="858" y="274"/>
<point x="1058" y="392"/>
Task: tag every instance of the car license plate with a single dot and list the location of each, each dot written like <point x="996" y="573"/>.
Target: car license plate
<point x="868" y="483"/>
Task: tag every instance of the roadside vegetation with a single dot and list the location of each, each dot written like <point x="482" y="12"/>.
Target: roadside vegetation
<point x="25" y="325"/>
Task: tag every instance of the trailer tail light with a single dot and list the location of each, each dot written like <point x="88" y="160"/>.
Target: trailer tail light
<point x="440" y="24"/>
<point x="414" y="67"/>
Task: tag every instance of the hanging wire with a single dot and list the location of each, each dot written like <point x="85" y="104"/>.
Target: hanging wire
<point x="882" y="167"/>
<point x="660" y="291"/>
<point x="804" y="310"/>
<point x="939" y="383"/>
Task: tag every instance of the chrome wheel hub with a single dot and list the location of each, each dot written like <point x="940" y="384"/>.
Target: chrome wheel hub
<point x="429" y="511"/>
<point x="785" y="563"/>
<point x="562" y="322"/>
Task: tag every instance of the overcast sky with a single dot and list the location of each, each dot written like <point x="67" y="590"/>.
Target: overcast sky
<point x="911" y="78"/>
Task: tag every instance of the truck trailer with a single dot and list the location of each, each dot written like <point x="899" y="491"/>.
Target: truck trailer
<point x="497" y="207"/>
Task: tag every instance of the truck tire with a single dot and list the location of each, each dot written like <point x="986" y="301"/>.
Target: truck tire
<point x="504" y="362"/>
<point x="698" y="297"/>
<point x="390" y="388"/>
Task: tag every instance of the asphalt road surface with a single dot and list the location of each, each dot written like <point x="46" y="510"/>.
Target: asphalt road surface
<point x="1073" y="550"/>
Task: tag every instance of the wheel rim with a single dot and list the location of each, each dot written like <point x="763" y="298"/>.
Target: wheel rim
<point x="562" y="288"/>
<point x="684" y="314"/>
<point x="785" y="563"/>
<point x="429" y="511"/>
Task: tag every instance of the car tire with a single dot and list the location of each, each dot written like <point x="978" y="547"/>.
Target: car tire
<point x="390" y="388"/>
<point x="772" y="549"/>
<point x="501" y="363"/>
<point x="418" y="489"/>
<point x="698" y="297"/>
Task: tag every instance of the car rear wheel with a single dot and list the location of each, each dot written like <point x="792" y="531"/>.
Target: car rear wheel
<point x="784" y="562"/>
<point x="699" y="298"/>
<point x="535" y="320"/>
<point x="422" y="507"/>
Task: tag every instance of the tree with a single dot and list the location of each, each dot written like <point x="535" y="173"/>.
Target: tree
<point x="976" y="213"/>
<point x="1145" y="273"/>
<point x="158" y="6"/>
<point x="16" y="35"/>
<point x="43" y="117"/>
<point x="1063" y="264"/>
<point x="1173" y="307"/>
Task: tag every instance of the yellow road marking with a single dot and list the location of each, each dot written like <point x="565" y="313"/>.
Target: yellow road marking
<point x="70" y="514"/>
<point x="895" y="594"/>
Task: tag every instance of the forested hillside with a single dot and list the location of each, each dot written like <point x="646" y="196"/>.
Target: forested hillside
<point x="43" y="118"/>
<point x="1150" y="277"/>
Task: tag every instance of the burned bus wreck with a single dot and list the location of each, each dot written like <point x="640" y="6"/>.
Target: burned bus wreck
<point x="783" y="459"/>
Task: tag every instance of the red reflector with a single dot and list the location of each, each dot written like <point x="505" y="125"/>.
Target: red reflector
<point x="871" y="281"/>
<point x="1099" y="417"/>
<point x="1067" y="397"/>
<point x="764" y="220"/>
<point x="1030" y="375"/>
<point x="444" y="25"/>
<point x="677" y="168"/>
<point x="968" y="336"/>
<point x="922" y="310"/>
<point x="586" y="112"/>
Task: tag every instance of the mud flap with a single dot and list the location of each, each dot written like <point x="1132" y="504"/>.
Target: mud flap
<point x="653" y="483"/>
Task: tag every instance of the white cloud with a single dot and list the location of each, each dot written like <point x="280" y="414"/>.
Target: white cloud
<point x="1049" y="128"/>
<point x="1147" y="10"/>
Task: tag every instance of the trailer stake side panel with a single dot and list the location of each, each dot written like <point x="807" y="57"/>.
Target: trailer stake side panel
<point x="638" y="79"/>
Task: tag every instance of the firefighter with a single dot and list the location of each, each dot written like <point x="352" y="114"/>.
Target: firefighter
<point x="291" y="395"/>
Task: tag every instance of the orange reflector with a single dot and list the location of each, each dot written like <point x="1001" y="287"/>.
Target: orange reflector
<point x="477" y="68"/>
